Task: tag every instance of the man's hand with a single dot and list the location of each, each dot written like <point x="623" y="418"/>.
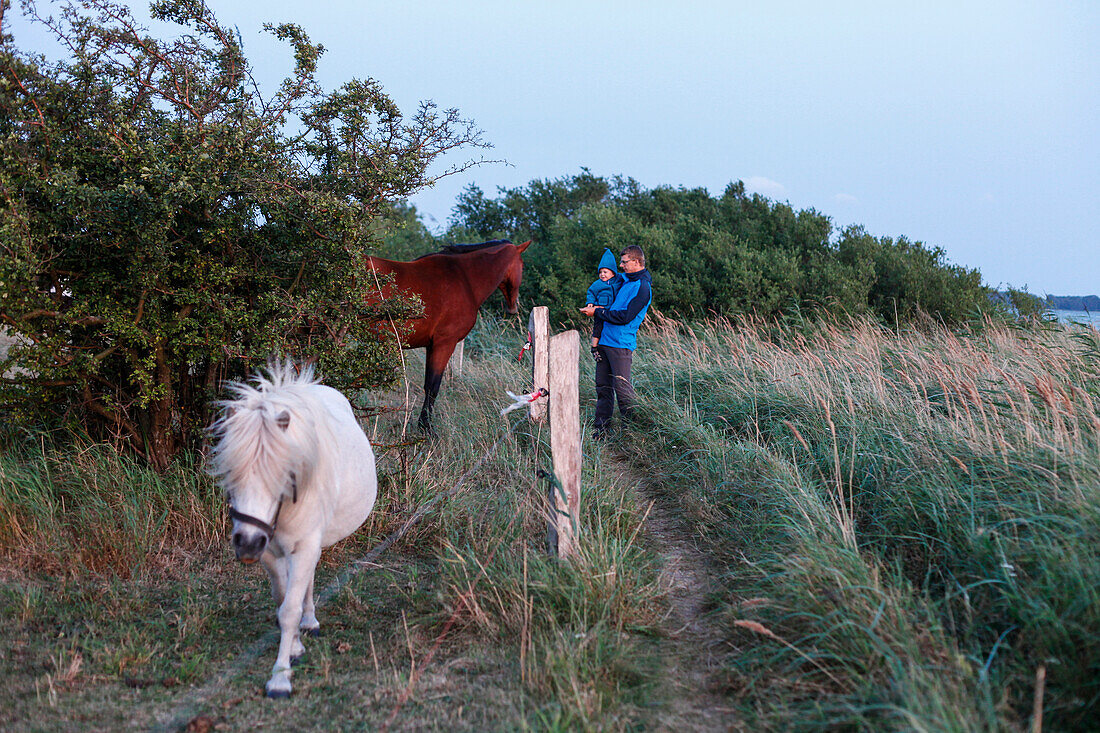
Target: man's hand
<point x="589" y="310"/>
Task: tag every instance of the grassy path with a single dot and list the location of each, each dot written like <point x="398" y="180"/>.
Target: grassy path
<point x="128" y="612"/>
<point x="697" y="643"/>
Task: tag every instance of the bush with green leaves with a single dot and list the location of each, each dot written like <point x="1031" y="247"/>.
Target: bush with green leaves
<point x="165" y="225"/>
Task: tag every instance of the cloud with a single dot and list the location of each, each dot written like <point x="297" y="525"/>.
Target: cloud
<point x="845" y="199"/>
<point x="765" y="187"/>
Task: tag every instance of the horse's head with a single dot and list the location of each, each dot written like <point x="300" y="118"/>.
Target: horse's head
<point x="509" y="286"/>
<point x="253" y="527"/>
<point x="264" y="449"/>
<point x="255" y="463"/>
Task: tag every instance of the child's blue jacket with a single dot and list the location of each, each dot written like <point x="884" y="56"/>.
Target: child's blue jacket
<point x="603" y="293"/>
<point x="621" y="320"/>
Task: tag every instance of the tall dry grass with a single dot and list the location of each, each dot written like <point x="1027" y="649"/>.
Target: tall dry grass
<point x="77" y="508"/>
<point x="910" y="518"/>
<point x="905" y="524"/>
<point x="577" y="632"/>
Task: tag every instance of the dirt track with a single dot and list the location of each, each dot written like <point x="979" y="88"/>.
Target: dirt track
<point x="697" y="642"/>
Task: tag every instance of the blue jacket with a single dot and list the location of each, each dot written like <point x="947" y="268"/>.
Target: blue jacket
<point x="622" y="318"/>
<point x="603" y="293"/>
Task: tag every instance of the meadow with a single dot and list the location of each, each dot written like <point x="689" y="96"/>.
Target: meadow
<point x="906" y="520"/>
<point x="810" y="527"/>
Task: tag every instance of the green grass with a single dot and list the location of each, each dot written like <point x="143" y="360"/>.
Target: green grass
<point x="83" y="508"/>
<point x="127" y="597"/>
<point x="902" y="527"/>
<point x="123" y="655"/>
<point x="909" y="519"/>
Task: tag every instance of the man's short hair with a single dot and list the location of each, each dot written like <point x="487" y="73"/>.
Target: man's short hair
<point x="634" y="252"/>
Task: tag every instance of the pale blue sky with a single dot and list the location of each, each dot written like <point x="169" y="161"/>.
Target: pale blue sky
<point x="972" y="126"/>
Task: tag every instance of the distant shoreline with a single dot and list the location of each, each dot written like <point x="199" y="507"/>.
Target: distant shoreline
<point x="1089" y="303"/>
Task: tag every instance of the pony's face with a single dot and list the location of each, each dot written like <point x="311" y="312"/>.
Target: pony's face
<point x="256" y="463"/>
<point x="255" y="514"/>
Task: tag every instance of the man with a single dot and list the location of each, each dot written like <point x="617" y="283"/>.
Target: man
<point x="618" y="339"/>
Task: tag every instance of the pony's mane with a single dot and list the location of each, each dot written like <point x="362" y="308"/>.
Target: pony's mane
<point x="458" y="249"/>
<point x="250" y="438"/>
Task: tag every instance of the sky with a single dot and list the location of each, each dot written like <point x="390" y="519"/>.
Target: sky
<point x="969" y="125"/>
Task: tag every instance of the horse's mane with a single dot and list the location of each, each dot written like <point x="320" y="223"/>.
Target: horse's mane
<point x="269" y="423"/>
<point x="459" y="249"/>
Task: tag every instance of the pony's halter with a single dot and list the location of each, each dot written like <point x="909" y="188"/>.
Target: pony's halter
<point x="267" y="529"/>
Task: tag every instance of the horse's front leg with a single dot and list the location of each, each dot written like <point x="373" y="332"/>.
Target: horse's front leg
<point x="301" y="566"/>
<point x="309" y="624"/>
<point x="276" y="568"/>
<point x="278" y="572"/>
<point x="435" y="363"/>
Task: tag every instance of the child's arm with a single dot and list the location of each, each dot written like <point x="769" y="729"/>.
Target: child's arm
<point x="597" y="330"/>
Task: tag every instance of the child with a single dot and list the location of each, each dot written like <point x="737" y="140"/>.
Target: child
<point x="603" y="292"/>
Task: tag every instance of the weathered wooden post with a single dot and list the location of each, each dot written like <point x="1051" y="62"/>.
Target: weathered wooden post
<point x="538" y="325"/>
<point x="565" y="437"/>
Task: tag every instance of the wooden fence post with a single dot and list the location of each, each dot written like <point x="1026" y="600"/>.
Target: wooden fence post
<point x="565" y="437"/>
<point x="538" y="325"/>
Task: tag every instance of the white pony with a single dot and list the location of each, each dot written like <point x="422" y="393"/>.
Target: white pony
<point x="299" y="475"/>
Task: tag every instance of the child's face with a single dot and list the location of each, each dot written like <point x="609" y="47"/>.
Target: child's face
<point x="606" y="274"/>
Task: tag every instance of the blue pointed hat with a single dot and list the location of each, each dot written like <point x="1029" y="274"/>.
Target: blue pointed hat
<point x="610" y="261"/>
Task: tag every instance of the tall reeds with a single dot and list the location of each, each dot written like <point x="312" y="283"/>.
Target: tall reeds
<point x="919" y="511"/>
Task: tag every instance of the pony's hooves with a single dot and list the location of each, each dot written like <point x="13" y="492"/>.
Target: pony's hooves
<point x="279" y="685"/>
<point x="314" y="632"/>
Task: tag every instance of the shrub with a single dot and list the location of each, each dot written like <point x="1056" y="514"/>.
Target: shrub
<point x="163" y="225"/>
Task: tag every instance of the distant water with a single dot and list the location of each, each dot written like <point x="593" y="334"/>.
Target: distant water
<point x="1078" y="317"/>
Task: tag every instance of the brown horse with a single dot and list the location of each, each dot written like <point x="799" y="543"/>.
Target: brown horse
<point x="452" y="285"/>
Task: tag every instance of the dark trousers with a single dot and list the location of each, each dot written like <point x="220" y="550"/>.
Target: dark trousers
<point x="613" y="381"/>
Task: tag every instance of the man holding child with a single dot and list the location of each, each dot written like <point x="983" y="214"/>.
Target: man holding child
<point x="616" y="329"/>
